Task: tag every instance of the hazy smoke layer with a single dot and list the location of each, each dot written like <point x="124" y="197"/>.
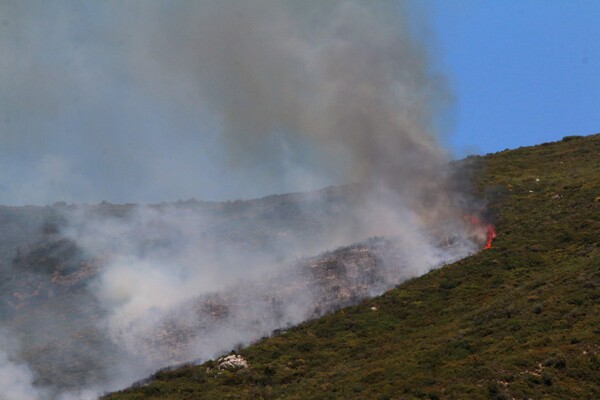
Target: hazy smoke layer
<point x="153" y="101"/>
<point x="341" y="85"/>
<point x="214" y="98"/>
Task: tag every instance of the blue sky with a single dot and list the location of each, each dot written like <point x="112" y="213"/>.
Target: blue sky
<point x="107" y="100"/>
<point x="522" y="72"/>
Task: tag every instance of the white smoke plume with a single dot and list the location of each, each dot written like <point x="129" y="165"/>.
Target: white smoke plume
<point x="16" y="380"/>
<point x="16" y="377"/>
<point x="174" y="96"/>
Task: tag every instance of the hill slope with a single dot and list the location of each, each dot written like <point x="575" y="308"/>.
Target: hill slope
<point x="519" y="320"/>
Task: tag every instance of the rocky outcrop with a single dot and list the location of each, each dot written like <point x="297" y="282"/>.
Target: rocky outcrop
<point x="232" y="362"/>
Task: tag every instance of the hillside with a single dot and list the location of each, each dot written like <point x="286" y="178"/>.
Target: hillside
<point x="520" y="320"/>
<point x="95" y="297"/>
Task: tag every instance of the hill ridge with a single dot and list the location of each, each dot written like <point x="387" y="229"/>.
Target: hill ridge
<point x="516" y="321"/>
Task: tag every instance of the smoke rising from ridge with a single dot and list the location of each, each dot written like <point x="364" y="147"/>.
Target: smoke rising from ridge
<point x="151" y="101"/>
<point x="159" y="99"/>
<point x="343" y="80"/>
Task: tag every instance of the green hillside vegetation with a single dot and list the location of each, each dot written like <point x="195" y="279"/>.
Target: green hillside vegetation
<point x="521" y="320"/>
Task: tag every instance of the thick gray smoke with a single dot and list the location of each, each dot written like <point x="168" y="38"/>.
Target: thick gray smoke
<point x="153" y="101"/>
<point x="342" y="84"/>
<point x="157" y="100"/>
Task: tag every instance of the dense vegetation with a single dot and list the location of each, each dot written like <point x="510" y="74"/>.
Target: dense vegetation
<point x="521" y="320"/>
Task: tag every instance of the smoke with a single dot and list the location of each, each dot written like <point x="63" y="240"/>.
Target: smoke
<point x="136" y="288"/>
<point x="344" y="85"/>
<point x="16" y="379"/>
<point x="178" y="285"/>
<point x="155" y="100"/>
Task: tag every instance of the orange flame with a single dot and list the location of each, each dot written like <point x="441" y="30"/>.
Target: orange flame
<point x="479" y="225"/>
<point x="490" y="234"/>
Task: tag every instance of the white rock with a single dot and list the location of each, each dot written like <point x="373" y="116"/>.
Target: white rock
<point x="232" y="361"/>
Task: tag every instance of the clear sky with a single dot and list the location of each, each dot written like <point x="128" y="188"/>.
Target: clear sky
<point x="106" y="100"/>
<point x="522" y="72"/>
